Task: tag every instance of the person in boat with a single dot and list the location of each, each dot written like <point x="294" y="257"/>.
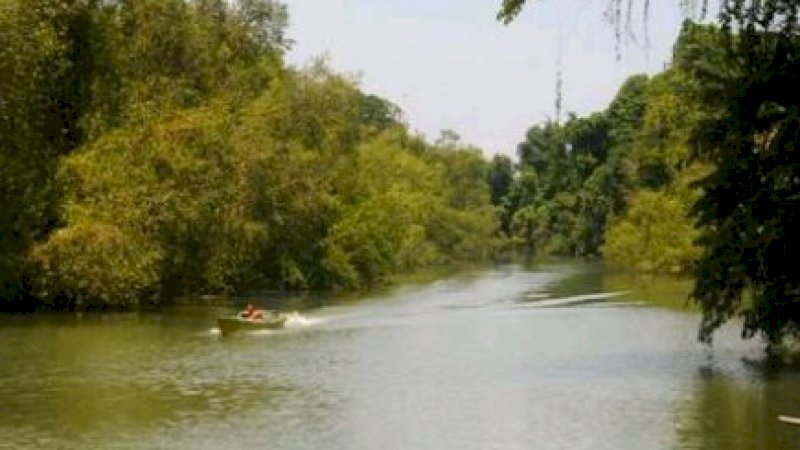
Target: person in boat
<point x="251" y="313"/>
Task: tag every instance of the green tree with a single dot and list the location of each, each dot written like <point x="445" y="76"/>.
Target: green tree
<point x="36" y="126"/>
<point x="580" y="179"/>
<point x="660" y="172"/>
<point x="748" y="135"/>
<point x="655" y="235"/>
<point x="150" y="149"/>
<point x="501" y="175"/>
<point x="501" y="178"/>
<point x="73" y="70"/>
<point x="747" y="209"/>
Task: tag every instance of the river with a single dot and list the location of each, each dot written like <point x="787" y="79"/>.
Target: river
<point x="550" y="356"/>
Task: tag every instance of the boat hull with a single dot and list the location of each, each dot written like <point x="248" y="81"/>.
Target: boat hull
<point x="230" y="325"/>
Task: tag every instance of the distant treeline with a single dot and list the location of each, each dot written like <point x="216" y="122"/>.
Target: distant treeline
<point x="616" y="183"/>
<point x="156" y="148"/>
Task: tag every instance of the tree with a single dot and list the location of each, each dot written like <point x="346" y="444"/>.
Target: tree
<point x="655" y="235"/>
<point x="748" y="209"/>
<point x="579" y="176"/>
<point x="626" y="111"/>
<point x="447" y="138"/>
<point x="37" y="125"/>
<point x="501" y="175"/>
<point x="379" y="113"/>
<point x="71" y="71"/>
<point x="156" y="148"/>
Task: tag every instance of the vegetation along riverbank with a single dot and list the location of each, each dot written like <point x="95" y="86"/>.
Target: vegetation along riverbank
<point x="155" y="149"/>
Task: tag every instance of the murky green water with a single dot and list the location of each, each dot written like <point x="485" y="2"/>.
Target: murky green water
<point x="509" y="358"/>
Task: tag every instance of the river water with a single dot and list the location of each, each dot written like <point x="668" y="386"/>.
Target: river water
<point x="554" y="356"/>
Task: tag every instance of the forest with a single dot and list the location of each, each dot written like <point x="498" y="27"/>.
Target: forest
<point x="618" y="183"/>
<point x="693" y="170"/>
<point x="157" y="148"/>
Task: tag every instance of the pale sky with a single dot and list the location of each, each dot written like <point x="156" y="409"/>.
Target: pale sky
<point x="450" y="65"/>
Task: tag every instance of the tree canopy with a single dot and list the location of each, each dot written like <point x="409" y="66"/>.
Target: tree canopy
<point x="748" y="205"/>
<point x="719" y="133"/>
<point x="153" y="149"/>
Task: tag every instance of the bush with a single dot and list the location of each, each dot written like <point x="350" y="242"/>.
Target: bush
<point x="655" y="235"/>
<point x="94" y="265"/>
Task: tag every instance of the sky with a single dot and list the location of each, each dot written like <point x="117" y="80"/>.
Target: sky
<point x="450" y="65"/>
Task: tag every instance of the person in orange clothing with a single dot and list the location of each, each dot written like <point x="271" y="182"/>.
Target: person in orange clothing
<point x="251" y="313"/>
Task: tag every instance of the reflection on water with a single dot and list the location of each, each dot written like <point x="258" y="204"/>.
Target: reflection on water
<point x="725" y="414"/>
<point x="67" y="381"/>
<point x="471" y="361"/>
<point x="659" y="290"/>
<point x="656" y="290"/>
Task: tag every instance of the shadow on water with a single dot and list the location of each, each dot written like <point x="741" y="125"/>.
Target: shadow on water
<point x="664" y="291"/>
<point x="301" y="301"/>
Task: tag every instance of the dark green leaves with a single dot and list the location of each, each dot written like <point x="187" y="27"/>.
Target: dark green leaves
<point x="749" y="200"/>
<point x="509" y="10"/>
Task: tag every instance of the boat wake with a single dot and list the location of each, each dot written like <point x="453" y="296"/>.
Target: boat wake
<point x="296" y="320"/>
<point x="538" y="300"/>
<point x="261" y="332"/>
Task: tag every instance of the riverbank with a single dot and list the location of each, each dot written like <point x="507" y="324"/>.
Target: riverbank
<point x="287" y="299"/>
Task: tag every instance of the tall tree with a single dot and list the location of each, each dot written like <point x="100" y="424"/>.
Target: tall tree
<point x="750" y="201"/>
<point x="501" y="175"/>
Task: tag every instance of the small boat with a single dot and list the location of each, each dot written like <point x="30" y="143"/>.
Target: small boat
<point x="789" y="419"/>
<point x="270" y="321"/>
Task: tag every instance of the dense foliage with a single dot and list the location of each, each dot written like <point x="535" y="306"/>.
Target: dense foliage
<point x="749" y="205"/>
<point x="157" y="148"/>
<point x="616" y="183"/>
<point x="717" y="139"/>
